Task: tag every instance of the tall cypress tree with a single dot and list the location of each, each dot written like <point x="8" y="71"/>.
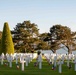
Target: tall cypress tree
<point x="7" y="45"/>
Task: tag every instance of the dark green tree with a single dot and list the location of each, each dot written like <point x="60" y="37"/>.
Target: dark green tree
<point x="6" y="41"/>
<point x="43" y="45"/>
<point x="60" y="35"/>
<point x="25" y="36"/>
<point x="0" y="38"/>
<point x="0" y="34"/>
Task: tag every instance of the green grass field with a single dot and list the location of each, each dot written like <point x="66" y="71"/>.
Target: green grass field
<point x="31" y="70"/>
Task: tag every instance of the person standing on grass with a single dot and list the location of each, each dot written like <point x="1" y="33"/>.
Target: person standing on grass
<point x="39" y="59"/>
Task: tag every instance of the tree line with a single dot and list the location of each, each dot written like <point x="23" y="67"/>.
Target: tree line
<point x="26" y="38"/>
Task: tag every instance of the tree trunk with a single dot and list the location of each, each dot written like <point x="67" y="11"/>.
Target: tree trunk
<point x="54" y="51"/>
<point x="69" y="51"/>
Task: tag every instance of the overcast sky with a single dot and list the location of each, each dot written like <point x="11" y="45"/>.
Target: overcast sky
<point x="44" y="13"/>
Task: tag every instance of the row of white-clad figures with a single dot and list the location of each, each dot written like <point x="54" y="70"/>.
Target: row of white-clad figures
<point x="18" y="58"/>
<point x="59" y="60"/>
